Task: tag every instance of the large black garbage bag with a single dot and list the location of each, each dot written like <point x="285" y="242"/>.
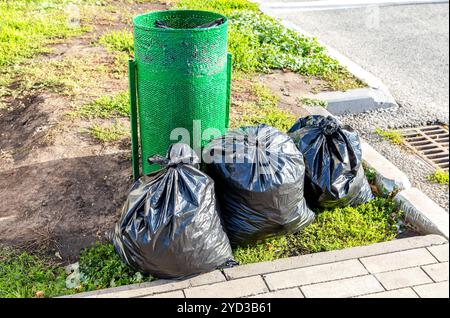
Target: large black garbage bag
<point x="259" y="176"/>
<point x="334" y="173"/>
<point x="170" y="226"/>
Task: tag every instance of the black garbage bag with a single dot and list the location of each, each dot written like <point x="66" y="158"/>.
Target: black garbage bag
<point x="334" y="173"/>
<point x="170" y="226"/>
<point x="259" y="176"/>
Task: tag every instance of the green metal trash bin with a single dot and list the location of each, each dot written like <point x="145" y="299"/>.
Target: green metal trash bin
<point x="179" y="75"/>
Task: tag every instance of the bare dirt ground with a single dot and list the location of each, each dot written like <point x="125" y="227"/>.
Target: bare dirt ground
<point x="60" y="190"/>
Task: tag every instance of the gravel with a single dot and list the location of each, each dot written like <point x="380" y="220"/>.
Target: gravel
<point x="415" y="168"/>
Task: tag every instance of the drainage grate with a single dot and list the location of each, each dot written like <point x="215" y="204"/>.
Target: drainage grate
<point x="431" y="143"/>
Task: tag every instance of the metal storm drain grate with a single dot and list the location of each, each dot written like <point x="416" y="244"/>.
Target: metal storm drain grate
<point x="430" y="142"/>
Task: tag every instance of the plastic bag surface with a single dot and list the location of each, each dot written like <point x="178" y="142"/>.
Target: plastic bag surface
<point x="259" y="175"/>
<point x="170" y="226"/>
<point x="333" y="159"/>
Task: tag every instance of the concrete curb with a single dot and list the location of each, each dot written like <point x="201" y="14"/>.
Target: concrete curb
<point x="320" y="5"/>
<point x="376" y="96"/>
<point x="421" y="211"/>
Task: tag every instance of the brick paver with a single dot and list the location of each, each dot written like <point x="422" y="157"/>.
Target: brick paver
<point x="283" y="293"/>
<point x="403" y="278"/>
<point x="438" y="272"/>
<point x="437" y="290"/>
<point x="315" y="274"/>
<point x="440" y="252"/>
<point x="397" y="293"/>
<point x="234" y="288"/>
<point x="399" y="260"/>
<point x="348" y="287"/>
<point x="405" y="268"/>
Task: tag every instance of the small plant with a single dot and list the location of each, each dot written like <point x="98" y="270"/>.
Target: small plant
<point x="27" y="26"/>
<point x="264" y="95"/>
<point x="393" y="136"/>
<point x="106" y="107"/>
<point x="23" y="275"/>
<point x="313" y="102"/>
<point x="440" y="177"/>
<point x="114" y="132"/>
<point x="266" y="251"/>
<point x="372" y="222"/>
<point x="118" y="41"/>
<point x="102" y="267"/>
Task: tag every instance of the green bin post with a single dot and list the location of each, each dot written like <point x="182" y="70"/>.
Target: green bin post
<point x="182" y="74"/>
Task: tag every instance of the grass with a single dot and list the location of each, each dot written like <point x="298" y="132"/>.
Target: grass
<point x="107" y="134"/>
<point x="120" y="44"/>
<point x="306" y="101"/>
<point x="106" y="107"/>
<point x="259" y="43"/>
<point x="27" y="26"/>
<point x="372" y="222"/>
<point x="25" y="275"/>
<point x="263" y="110"/>
<point x="440" y="177"/>
<point x="393" y="136"/>
<point x="102" y="268"/>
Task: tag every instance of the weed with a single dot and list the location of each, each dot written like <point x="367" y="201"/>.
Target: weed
<point x="305" y="101"/>
<point x="265" y="251"/>
<point x="393" y="136"/>
<point x="369" y="223"/>
<point x="24" y="276"/>
<point x="118" y="41"/>
<point x="27" y="26"/>
<point x="111" y="133"/>
<point x="106" y="107"/>
<point x="440" y="177"/>
<point x="101" y="267"/>
<point x="264" y="110"/>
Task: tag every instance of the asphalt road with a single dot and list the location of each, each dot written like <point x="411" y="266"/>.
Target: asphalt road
<point x="405" y="46"/>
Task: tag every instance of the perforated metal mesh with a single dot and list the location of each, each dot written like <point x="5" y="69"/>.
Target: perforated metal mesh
<point x="181" y="76"/>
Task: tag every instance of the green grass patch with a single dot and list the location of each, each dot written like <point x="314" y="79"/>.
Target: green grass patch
<point x="306" y="101"/>
<point x="118" y="41"/>
<point x="105" y="134"/>
<point x="265" y="251"/>
<point x="393" y="136"/>
<point x="23" y="275"/>
<point x="440" y="177"/>
<point x="26" y="26"/>
<point x="372" y="222"/>
<point x="259" y="43"/>
<point x="101" y="267"/>
<point x="106" y="107"/>
<point x="120" y="44"/>
<point x="264" y="110"/>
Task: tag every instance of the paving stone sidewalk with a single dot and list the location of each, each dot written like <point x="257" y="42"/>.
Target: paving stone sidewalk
<point x="405" y="268"/>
